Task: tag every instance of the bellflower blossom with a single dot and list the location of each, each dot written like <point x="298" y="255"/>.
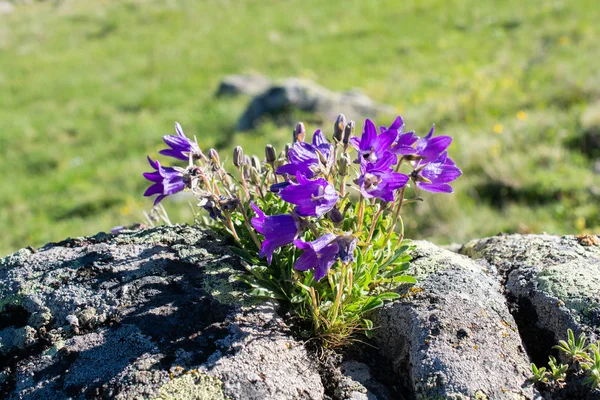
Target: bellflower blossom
<point x="278" y="230"/>
<point x="371" y="147"/>
<point x="180" y="145"/>
<point x="379" y="180"/>
<point x="404" y="143"/>
<point x="319" y="254"/>
<point x="312" y="198"/>
<point x="166" y="180"/>
<point x="430" y="148"/>
<point x="304" y="157"/>
<point x="435" y="176"/>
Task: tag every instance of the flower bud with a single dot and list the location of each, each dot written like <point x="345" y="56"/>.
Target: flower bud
<point x="256" y="164"/>
<point x="283" y="154"/>
<point x="254" y="176"/>
<point x="246" y="171"/>
<point x="343" y="165"/>
<point x="238" y="156"/>
<point x="347" y="244"/>
<point x="336" y="216"/>
<point x="299" y="132"/>
<point x="338" y="128"/>
<point x="270" y="154"/>
<point x="247" y="160"/>
<point x="349" y="131"/>
<point x="214" y="156"/>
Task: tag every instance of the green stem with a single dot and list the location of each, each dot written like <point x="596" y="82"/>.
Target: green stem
<point x="247" y="222"/>
<point x="396" y="215"/>
<point x="373" y="223"/>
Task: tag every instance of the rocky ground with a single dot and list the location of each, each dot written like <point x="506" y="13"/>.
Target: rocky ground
<point x="158" y="313"/>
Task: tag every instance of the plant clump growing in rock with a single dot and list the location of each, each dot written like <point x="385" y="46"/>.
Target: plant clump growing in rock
<point x="583" y="366"/>
<point x="316" y="224"/>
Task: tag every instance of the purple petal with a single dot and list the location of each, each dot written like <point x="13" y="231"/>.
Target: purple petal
<point x="157" y="188"/>
<point x="355" y="142"/>
<point x="368" y="136"/>
<point x="179" y="130"/>
<point x="174" y="154"/>
<point x="435" y="188"/>
<point x="384" y="141"/>
<point x="306" y="261"/>
<point x="327" y="258"/>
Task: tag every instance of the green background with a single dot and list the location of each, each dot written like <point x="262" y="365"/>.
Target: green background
<point x="87" y="88"/>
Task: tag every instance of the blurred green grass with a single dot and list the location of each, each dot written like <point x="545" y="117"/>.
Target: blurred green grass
<point x="88" y="88"/>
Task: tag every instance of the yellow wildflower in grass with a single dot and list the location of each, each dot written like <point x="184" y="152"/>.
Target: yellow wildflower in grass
<point x="498" y="128"/>
<point x="563" y="40"/>
<point x="521" y="115"/>
<point x="580" y="224"/>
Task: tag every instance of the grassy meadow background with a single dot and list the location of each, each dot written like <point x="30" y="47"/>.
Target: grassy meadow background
<point x="87" y="89"/>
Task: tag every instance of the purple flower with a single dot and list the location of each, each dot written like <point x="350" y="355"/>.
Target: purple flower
<point x="319" y="254"/>
<point x="434" y="176"/>
<point x="278" y="231"/>
<point x="372" y="147"/>
<point x="180" y="145"/>
<point x="312" y="198"/>
<point x="304" y="157"/>
<point x="379" y="180"/>
<point x="404" y="141"/>
<point x="166" y="180"/>
<point x="431" y="147"/>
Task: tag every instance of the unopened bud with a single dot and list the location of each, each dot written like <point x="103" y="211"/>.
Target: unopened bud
<point x="286" y="151"/>
<point x="322" y="157"/>
<point x="247" y="160"/>
<point x="254" y="176"/>
<point x="343" y="165"/>
<point x="338" y="128"/>
<point x="246" y="171"/>
<point x="255" y="161"/>
<point x="336" y="216"/>
<point x="349" y="131"/>
<point x="346" y="244"/>
<point x="299" y="132"/>
<point x="214" y="156"/>
<point x="238" y="156"/>
<point x="283" y="154"/>
<point x="270" y="154"/>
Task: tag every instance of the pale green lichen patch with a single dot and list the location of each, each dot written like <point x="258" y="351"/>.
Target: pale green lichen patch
<point x="575" y="283"/>
<point x="220" y="280"/>
<point x="192" y="386"/>
<point x="429" y="259"/>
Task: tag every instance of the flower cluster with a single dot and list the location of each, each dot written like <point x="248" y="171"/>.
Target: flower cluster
<point x="327" y="202"/>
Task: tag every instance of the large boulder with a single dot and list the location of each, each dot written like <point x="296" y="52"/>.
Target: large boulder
<point x="553" y="283"/>
<point x="235" y="85"/>
<point x="159" y="313"/>
<point x="305" y="95"/>
<point x="147" y="314"/>
<point x="452" y="336"/>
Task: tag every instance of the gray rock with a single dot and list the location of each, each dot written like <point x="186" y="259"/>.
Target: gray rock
<point x="305" y="95"/>
<point x="234" y="85"/>
<point x="554" y="281"/>
<point x="453" y="332"/>
<point x="356" y="383"/>
<point x="146" y="314"/>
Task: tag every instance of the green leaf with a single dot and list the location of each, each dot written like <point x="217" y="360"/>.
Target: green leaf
<point x="299" y="298"/>
<point x="404" y="279"/>
<point x="371" y="304"/>
<point x="243" y="254"/>
<point x="388" y="296"/>
<point x="395" y="256"/>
